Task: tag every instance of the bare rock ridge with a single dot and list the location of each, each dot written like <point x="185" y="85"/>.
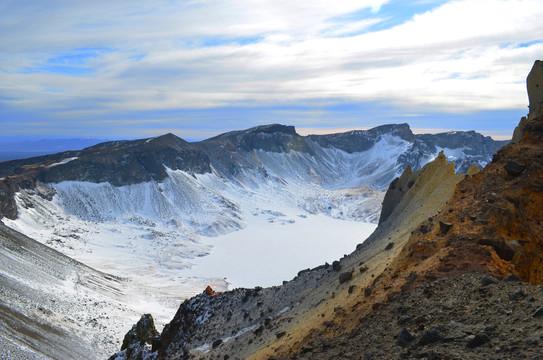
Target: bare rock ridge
<point x="273" y="138"/>
<point x="117" y="162"/>
<point x="452" y="272"/>
<point x="360" y="140"/>
<point x="398" y="196"/>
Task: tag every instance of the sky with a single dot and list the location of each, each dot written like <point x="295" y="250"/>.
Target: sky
<point x="196" y="68"/>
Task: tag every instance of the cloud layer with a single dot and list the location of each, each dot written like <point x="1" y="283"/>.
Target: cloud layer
<point x="141" y="67"/>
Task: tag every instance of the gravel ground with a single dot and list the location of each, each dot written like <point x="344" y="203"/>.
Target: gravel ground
<point x="463" y="317"/>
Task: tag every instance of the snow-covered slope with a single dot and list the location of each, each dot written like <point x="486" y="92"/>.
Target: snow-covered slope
<point x="152" y="230"/>
<point x="56" y="308"/>
<point x="245" y="208"/>
<point x="146" y="208"/>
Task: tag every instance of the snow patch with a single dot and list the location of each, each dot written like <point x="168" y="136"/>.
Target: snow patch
<point x="65" y="161"/>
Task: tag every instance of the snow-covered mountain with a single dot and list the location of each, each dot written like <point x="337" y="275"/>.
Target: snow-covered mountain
<point x="152" y="210"/>
<point x="160" y="199"/>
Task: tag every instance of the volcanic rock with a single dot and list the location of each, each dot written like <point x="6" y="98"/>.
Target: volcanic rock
<point x="514" y="168"/>
<point x="444" y="227"/>
<point x="142" y="333"/>
<point x="405" y="338"/>
<point x="477" y="340"/>
<point x="534" y="83"/>
<point x="346" y="276"/>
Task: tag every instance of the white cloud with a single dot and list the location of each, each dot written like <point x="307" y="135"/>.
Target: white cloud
<point x="461" y="56"/>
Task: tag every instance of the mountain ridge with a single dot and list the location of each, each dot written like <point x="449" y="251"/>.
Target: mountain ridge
<point x="135" y="161"/>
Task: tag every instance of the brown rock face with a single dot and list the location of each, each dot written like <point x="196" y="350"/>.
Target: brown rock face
<point x="497" y="213"/>
<point x="534" y="84"/>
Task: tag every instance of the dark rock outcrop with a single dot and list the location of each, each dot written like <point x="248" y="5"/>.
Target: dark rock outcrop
<point x="129" y="162"/>
<point x="362" y="140"/>
<point x="346" y="276"/>
<point x="272" y="138"/>
<point x="534" y="84"/>
<point x="514" y="168"/>
<point x="142" y="333"/>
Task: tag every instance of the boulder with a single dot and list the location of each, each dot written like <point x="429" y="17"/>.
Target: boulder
<point x="405" y="338"/>
<point x="514" y="168"/>
<point x="502" y="249"/>
<point x="512" y="278"/>
<point x="141" y="334"/>
<point x="456" y="330"/>
<point x="444" y="227"/>
<point x="488" y="280"/>
<point x="477" y="340"/>
<point x="432" y="335"/>
<point x="346" y="276"/>
<point x="517" y="294"/>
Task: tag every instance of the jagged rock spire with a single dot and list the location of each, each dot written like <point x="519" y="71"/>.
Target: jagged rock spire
<point x="534" y="83"/>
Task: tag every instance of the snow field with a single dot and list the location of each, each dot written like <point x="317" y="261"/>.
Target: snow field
<point x="274" y="248"/>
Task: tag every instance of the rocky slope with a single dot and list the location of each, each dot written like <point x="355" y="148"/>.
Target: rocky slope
<point x="452" y="272"/>
<point x="56" y="308"/>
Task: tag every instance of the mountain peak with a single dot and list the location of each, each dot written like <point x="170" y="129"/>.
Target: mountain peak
<point x="261" y="129"/>
<point x="275" y="128"/>
<point x="362" y="140"/>
<point x="168" y="140"/>
<point x="272" y="138"/>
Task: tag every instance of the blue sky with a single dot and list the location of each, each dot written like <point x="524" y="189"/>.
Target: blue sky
<point x="196" y="68"/>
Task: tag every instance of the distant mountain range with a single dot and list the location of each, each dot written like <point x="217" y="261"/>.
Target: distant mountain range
<point x="12" y="148"/>
<point x="371" y="158"/>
